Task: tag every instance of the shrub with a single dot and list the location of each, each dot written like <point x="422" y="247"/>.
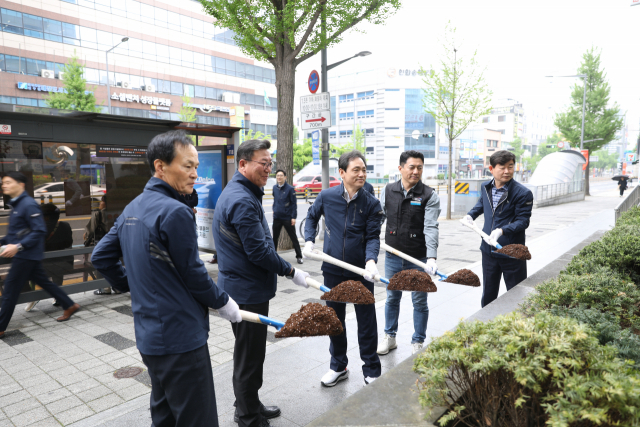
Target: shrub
<point x="604" y="291"/>
<point x="631" y="217"/>
<point x="514" y="371"/>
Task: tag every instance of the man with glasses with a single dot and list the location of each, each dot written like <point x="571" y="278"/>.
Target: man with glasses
<point x="248" y="270"/>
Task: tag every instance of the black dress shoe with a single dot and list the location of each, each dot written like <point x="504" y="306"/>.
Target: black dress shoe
<point x="300" y="261"/>
<point x="267" y="412"/>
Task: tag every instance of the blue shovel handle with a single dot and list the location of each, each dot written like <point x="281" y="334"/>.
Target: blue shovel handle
<point x="442" y="276"/>
<point x="323" y="288"/>
<point x="271" y="322"/>
<point x="382" y="279"/>
<point x="498" y="245"/>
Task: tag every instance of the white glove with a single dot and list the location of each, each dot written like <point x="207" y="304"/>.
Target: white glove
<point x="468" y="219"/>
<point x="300" y="278"/>
<point x="308" y="246"/>
<point x="371" y="271"/>
<point x="431" y="267"/>
<point x="230" y="311"/>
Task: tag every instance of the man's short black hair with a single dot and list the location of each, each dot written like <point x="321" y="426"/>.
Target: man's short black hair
<point x="104" y="198"/>
<point x="283" y="172"/>
<point x="17" y="176"/>
<point x="163" y="147"/>
<point x="246" y="150"/>
<point x="346" y="158"/>
<point x="502" y="157"/>
<point x="410" y="154"/>
<point x="50" y="211"/>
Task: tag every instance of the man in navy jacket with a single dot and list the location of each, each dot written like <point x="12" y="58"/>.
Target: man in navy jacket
<point x="25" y="247"/>
<point x="506" y="205"/>
<point x="248" y="269"/>
<point x="285" y="212"/>
<point x="353" y="218"/>
<point x="170" y="287"/>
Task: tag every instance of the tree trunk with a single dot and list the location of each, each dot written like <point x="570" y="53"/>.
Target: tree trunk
<point x="285" y="85"/>
<point x="449" y="180"/>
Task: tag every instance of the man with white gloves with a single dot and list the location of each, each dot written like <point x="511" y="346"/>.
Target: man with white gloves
<point x="248" y="269"/>
<point x="170" y="287"/>
<point x="506" y="206"/>
<point x="353" y="218"/>
<point x="412" y="211"/>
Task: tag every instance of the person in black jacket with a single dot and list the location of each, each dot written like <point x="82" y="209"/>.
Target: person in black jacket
<point x="622" y="185"/>
<point x="25" y="246"/>
<point x="506" y="205"/>
<point x="285" y="212"/>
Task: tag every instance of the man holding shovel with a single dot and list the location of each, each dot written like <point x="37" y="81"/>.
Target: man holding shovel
<point x="352" y="234"/>
<point x="506" y="205"/>
<point x="248" y="269"/>
<point x="412" y="211"/>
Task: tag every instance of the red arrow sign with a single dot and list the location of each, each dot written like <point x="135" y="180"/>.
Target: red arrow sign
<point x="321" y="119"/>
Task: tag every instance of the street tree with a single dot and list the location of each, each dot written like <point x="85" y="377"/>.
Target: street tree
<point x="357" y="139"/>
<point x="187" y="113"/>
<point x="251" y="134"/>
<point x="602" y="120"/>
<point x="76" y="96"/>
<point x="285" y="33"/>
<point x="455" y="93"/>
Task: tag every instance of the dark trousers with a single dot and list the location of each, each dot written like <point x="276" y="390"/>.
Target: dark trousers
<point x="182" y="391"/>
<point x="514" y="271"/>
<point x="248" y="363"/>
<point x="622" y="191"/>
<point x="367" y="332"/>
<point x="291" y="231"/>
<point x="21" y="271"/>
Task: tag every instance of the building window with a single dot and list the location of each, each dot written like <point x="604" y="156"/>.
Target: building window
<point x="370" y="150"/>
<point x="502" y="118"/>
<point x="346" y="116"/>
<point x="345" y="133"/>
<point x="365" y="95"/>
<point x="369" y="132"/>
<point x="495" y="143"/>
<point x="488" y="160"/>
<point x="332" y="134"/>
<point x="365" y="114"/>
<point x="346" y="98"/>
<point x="488" y="143"/>
<point x="369" y="168"/>
<point x="485" y="120"/>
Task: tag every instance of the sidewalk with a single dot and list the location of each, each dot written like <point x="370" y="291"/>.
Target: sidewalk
<point x="55" y="374"/>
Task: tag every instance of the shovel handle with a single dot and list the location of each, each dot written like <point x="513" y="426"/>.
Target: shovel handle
<point x="317" y="285"/>
<point x="482" y="234"/>
<point x="248" y="316"/>
<point x="442" y="276"/>
<point x="408" y="258"/>
<point x="321" y="256"/>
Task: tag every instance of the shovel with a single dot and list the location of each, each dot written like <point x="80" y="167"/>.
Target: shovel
<point x="410" y="259"/>
<point x="317" y="285"/>
<point x="320" y="256"/>
<point x="484" y="235"/>
<point x="248" y="316"/>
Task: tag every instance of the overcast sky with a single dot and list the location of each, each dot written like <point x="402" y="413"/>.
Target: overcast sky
<point x="520" y="42"/>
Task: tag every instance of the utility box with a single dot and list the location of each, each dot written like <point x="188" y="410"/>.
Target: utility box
<point x="466" y="194"/>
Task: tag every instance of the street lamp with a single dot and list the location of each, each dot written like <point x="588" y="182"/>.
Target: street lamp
<point x="124" y="39"/>
<point x="325" y="132"/>
<point x="584" y="101"/>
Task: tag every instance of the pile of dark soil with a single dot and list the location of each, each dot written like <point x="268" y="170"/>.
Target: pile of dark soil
<point x="463" y="277"/>
<point x="516" y="251"/>
<point x="411" y="280"/>
<point x="312" y="320"/>
<point x="350" y="291"/>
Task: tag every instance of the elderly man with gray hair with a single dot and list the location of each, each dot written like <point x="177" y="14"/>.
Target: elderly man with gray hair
<point x="248" y="269"/>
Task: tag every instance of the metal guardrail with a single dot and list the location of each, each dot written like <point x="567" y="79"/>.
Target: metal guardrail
<point x="550" y="191"/>
<point x="632" y="200"/>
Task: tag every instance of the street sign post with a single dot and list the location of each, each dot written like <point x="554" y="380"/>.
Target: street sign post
<point x="314" y="81"/>
<point x="315" y="111"/>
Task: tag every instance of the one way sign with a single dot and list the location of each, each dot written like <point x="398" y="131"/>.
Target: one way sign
<point x="316" y="120"/>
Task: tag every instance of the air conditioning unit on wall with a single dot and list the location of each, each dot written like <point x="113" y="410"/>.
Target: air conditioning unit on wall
<point x="49" y="74"/>
<point x="125" y="84"/>
<point x="150" y="88"/>
<point x="60" y="75"/>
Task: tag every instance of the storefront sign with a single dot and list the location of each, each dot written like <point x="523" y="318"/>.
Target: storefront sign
<point x="114" y="151"/>
<point x="153" y="107"/>
<point x="131" y="97"/>
<point x="5" y="129"/>
<point x="209" y="188"/>
<point x="212" y="108"/>
<point x="44" y="88"/>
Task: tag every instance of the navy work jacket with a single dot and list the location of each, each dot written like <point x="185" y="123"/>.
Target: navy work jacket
<point x="512" y="214"/>
<point x="27" y="227"/>
<point x="352" y="232"/>
<point x="169" y="284"/>
<point x="285" y="204"/>
<point x="248" y="264"/>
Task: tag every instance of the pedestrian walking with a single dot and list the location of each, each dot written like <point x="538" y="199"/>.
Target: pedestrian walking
<point x="24" y="246"/>
<point x="170" y="287"/>
<point x="412" y="209"/>
<point x="353" y="218"/>
<point x="622" y="185"/>
<point x="248" y="268"/>
<point x="285" y="212"/>
<point x="506" y="205"/>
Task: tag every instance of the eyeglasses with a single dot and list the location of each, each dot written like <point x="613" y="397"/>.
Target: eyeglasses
<point x="264" y="165"/>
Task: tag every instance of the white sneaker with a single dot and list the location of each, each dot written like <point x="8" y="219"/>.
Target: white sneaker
<point x="387" y="344"/>
<point x="332" y="377"/>
<point x="30" y="306"/>
<point x="369" y="380"/>
<point x="416" y="347"/>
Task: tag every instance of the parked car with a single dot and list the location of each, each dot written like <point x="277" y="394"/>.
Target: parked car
<point x="313" y="183"/>
<point x="55" y="191"/>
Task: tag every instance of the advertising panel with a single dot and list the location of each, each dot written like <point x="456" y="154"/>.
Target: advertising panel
<point x="209" y="187"/>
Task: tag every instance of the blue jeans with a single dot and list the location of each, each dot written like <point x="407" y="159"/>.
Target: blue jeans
<point x="392" y="265"/>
